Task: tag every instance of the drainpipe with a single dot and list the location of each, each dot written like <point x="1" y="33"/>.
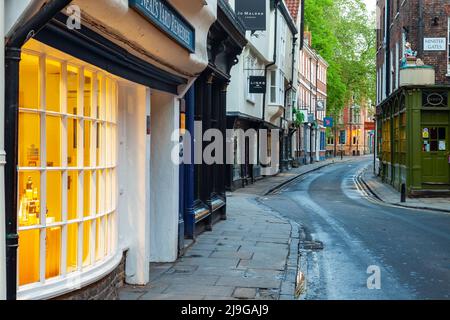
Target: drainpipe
<point x="388" y="48"/>
<point x="2" y="158"/>
<point x="12" y="60"/>
<point x="189" y="218"/>
<point x="421" y="26"/>
<point x="315" y="108"/>
<point x="302" y="25"/>
<point x="274" y="61"/>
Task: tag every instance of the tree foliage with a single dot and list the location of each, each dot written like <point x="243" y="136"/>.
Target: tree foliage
<point x="343" y="33"/>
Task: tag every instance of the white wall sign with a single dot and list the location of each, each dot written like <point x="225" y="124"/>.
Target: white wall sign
<point x="435" y="44"/>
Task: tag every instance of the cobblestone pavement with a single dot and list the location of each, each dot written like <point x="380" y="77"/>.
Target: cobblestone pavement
<point x="251" y="255"/>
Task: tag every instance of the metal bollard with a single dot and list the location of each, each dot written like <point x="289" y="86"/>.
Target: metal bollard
<point x="403" y="193"/>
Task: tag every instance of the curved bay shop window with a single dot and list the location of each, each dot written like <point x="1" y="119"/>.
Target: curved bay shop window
<point x="67" y="167"/>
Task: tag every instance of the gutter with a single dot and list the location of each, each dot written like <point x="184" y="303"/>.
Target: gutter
<point x="13" y="50"/>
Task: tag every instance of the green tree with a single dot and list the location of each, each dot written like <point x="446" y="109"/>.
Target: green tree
<point x="343" y="33"/>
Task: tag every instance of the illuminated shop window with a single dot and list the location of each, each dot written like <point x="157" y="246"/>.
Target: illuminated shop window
<point x="67" y="167"/>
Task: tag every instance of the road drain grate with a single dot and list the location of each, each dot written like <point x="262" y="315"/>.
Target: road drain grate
<point x="311" y="245"/>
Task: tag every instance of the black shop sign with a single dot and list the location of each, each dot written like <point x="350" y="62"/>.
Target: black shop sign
<point x="257" y="84"/>
<point x="435" y="99"/>
<point x="252" y="14"/>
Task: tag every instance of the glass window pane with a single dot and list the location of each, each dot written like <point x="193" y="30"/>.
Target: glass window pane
<point x="100" y="96"/>
<point x="53" y="252"/>
<point x="29" y="82"/>
<point x="72" y="142"/>
<point x="53" y="141"/>
<point x="72" y="195"/>
<point x="87" y="193"/>
<point x="86" y="243"/>
<point x="100" y="239"/>
<point x="53" y="85"/>
<point x="54" y="203"/>
<point x="29" y="140"/>
<point x="108" y="93"/>
<point x="442" y="133"/>
<point x="433" y="133"/>
<point x="100" y="145"/>
<point x="109" y="148"/>
<point x="28" y="257"/>
<point x="72" y="244"/>
<point x="100" y="208"/>
<point x="108" y="191"/>
<point x="88" y="94"/>
<point x="106" y="235"/>
<point x="434" y="146"/>
<point x="114" y="101"/>
<point x="72" y="89"/>
<point x="29" y="198"/>
<point x="87" y="143"/>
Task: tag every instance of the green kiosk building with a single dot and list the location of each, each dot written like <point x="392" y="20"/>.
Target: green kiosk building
<point x="413" y="135"/>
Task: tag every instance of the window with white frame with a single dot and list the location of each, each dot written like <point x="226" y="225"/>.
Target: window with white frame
<point x="67" y="184"/>
<point x="276" y="87"/>
<point x="282" y="41"/>
<point x="273" y="86"/>
<point x="250" y="70"/>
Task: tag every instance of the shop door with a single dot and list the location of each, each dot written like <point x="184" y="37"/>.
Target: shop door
<point x="435" y="156"/>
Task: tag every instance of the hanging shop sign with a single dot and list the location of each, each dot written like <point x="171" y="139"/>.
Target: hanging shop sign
<point x="434" y="99"/>
<point x="435" y="44"/>
<point x="320" y="105"/>
<point x="167" y="19"/>
<point x="369" y="125"/>
<point x="257" y="84"/>
<point x="328" y="122"/>
<point x="252" y="14"/>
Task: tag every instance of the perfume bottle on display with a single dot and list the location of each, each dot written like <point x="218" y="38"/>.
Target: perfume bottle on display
<point x="29" y="204"/>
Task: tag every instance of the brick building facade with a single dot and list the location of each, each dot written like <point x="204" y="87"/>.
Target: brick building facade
<point x="310" y="140"/>
<point x="410" y="21"/>
<point x="413" y="106"/>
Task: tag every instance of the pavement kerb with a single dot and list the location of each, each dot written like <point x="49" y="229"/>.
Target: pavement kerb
<point x="377" y="195"/>
<point x="294" y="234"/>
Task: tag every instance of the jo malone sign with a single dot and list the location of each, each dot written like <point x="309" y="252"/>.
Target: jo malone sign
<point x="252" y="14"/>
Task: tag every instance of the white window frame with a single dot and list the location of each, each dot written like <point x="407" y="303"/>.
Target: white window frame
<point x="84" y="274"/>
<point x="278" y="87"/>
<point x="250" y="66"/>
<point x="282" y="41"/>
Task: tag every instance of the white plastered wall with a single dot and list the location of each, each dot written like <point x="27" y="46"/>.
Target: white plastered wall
<point x="134" y="181"/>
<point x="164" y="175"/>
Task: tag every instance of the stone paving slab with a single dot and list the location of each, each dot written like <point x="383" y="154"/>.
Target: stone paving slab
<point x="244" y="257"/>
<point x="254" y="254"/>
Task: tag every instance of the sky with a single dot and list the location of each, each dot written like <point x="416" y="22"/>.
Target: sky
<point x="370" y="5"/>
